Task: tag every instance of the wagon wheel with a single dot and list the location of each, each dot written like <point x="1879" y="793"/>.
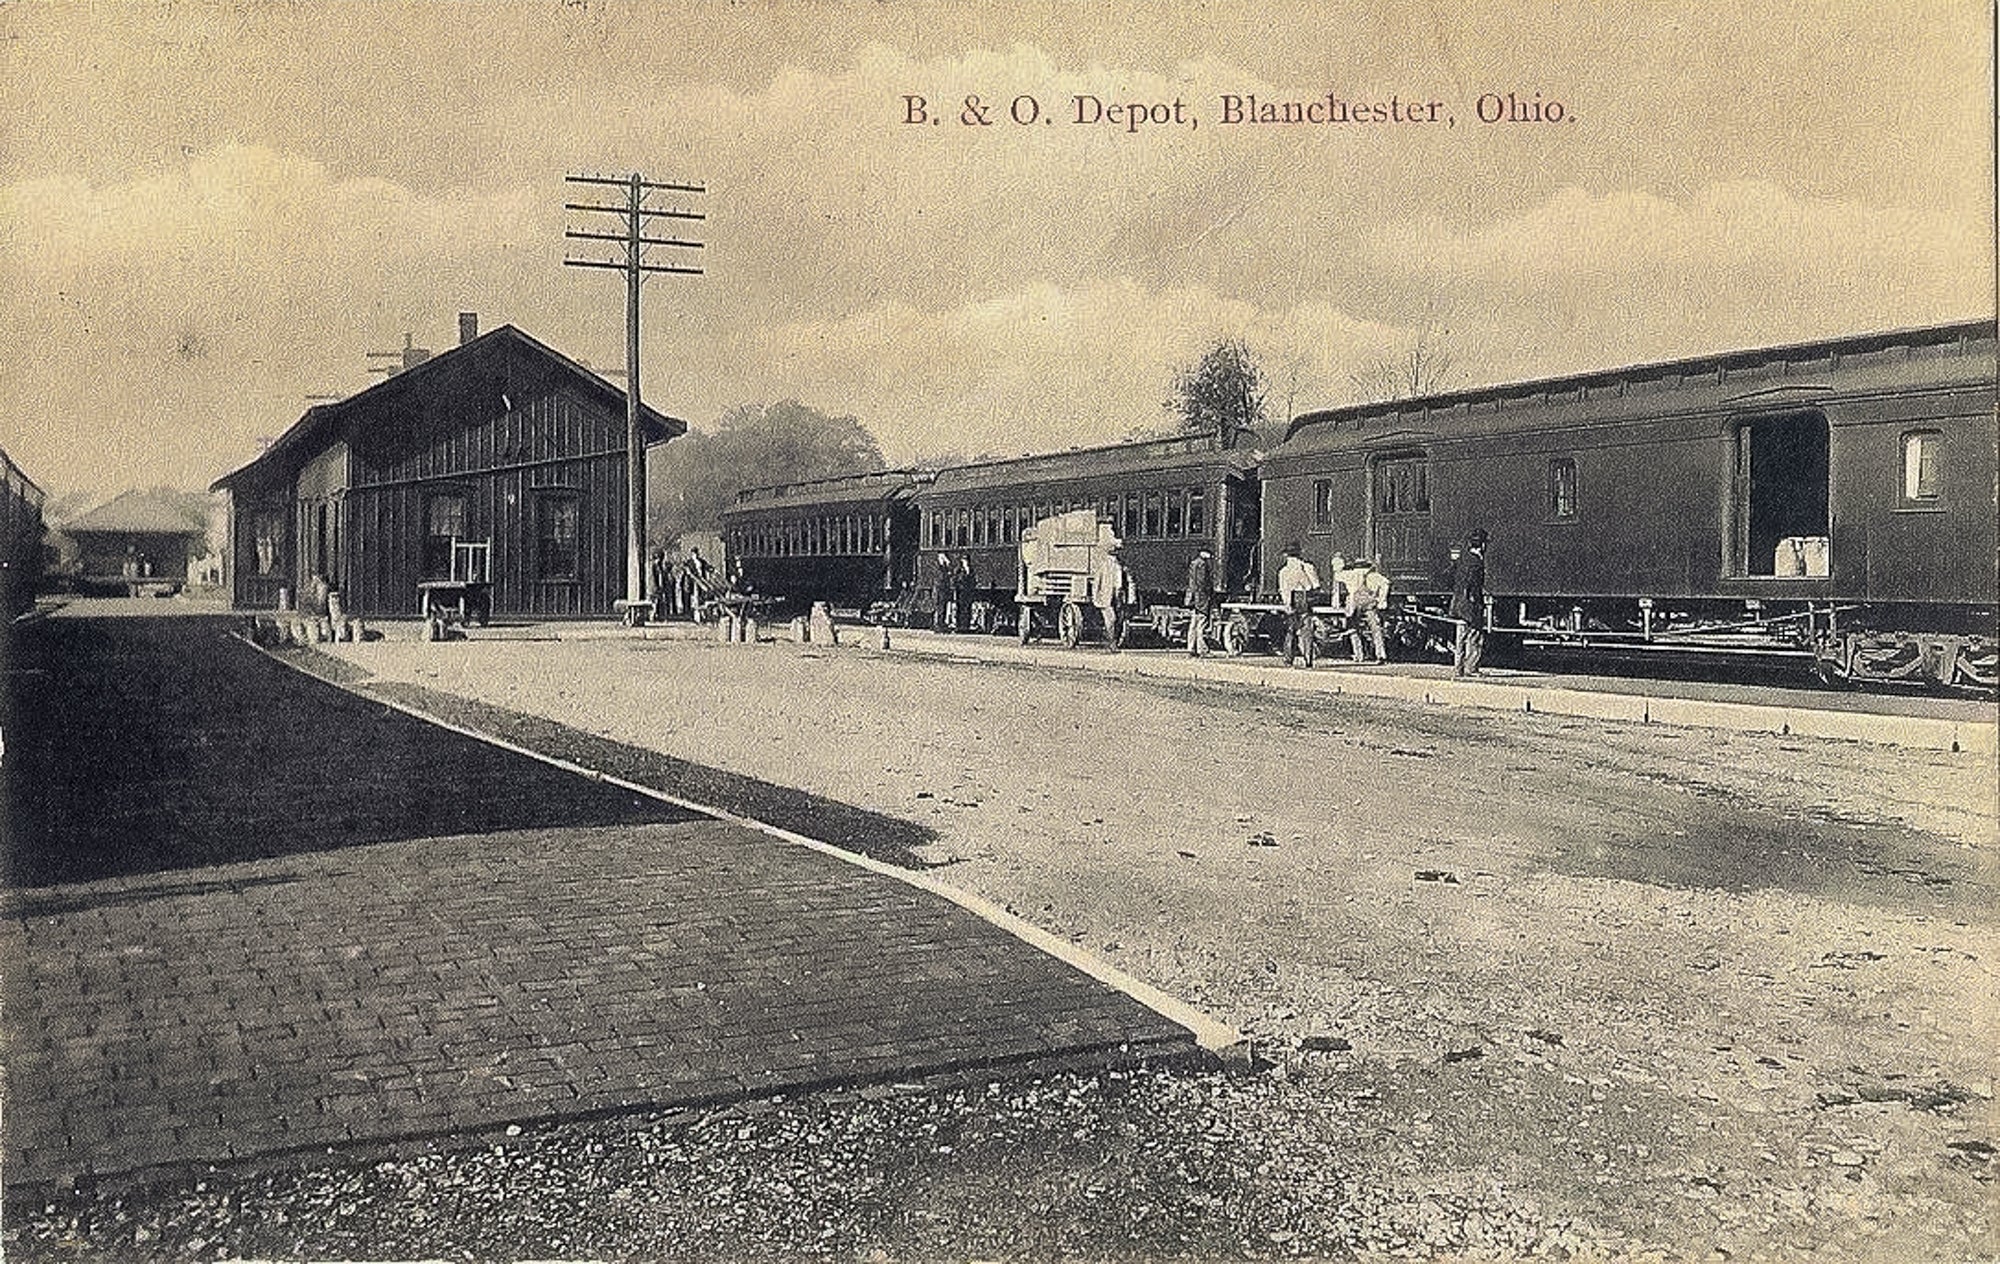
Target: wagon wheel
<point x="1235" y="635"/>
<point x="1070" y="625"/>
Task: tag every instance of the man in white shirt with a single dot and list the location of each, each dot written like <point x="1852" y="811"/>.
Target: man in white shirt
<point x="1367" y="592"/>
<point x="1297" y="583"/>
<point x="1111" y="591"/>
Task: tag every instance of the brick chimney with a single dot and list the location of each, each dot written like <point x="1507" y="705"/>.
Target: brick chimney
<point x="468" y="327"/>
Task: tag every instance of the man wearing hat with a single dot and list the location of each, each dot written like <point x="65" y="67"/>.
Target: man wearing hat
<point x="1112" y="593"/>
<point x="1468" y="605"/>
<point x="1200" y="601"/>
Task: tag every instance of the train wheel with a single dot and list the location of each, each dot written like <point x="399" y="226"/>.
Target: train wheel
<point x="1235" y="635"/>
<point x="1070" y="625"/>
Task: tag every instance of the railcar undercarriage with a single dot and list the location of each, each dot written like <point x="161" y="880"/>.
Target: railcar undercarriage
<point x="1846" y="644"/>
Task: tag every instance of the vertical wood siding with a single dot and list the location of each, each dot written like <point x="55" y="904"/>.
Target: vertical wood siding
<point x="505" y="459"/>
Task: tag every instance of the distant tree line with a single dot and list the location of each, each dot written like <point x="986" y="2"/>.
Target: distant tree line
<point x="693" y="479"/>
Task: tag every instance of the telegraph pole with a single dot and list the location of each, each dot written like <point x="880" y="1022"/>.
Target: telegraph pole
<point x="635" y="266"/>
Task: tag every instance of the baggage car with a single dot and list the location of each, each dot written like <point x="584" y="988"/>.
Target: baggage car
<point x="1831" y="503"/>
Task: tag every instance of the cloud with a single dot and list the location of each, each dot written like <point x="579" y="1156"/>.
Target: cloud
<point x="163" y="325"/>
<point x="1587" y="280"/>
<point x="1046" y="366"/>
<point x="185" y="262"/>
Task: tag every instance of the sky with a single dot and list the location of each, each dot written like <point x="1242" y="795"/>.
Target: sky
<point x="210" y="214"/>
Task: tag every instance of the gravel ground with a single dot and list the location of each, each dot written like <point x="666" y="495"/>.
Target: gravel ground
<point x="1298" y="1160"/>
<point x="1525" y="987"/>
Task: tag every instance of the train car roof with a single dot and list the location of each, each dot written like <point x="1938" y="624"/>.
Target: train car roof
<point x="1171" y="452"/>
<point x="1415" y="416"/>
<point x="16" y="476"/>
<point x="840" y="489"/>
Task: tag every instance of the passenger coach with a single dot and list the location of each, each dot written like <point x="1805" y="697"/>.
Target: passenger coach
<point x="1165" y="498"/>
<point x="849" y="541"/>
<point x="1833" y="501"/>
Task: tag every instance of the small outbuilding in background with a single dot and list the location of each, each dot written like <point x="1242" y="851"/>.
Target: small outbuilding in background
<point x="138" y="542"/>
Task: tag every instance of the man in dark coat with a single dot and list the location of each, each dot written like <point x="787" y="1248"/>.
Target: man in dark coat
<point x="962" y="588"/>
<point x="943" y="581"/>
<point x="660" y="585"/>
<point x="1468" y="606"/>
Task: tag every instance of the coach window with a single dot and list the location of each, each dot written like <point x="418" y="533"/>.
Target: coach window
<point x="1151" y="527"/>
<point x="1176" y="511"/>
<point x="1322" y="502"/>
<point x="1197" y="515"/>
<point x="1923" y="468"/>
<point x="994" y="533"/>
<point x="1562" y="489"/>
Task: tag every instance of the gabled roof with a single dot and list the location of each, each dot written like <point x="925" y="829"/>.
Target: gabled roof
<point x="1175" y="451"/>
<point x="320" y="420"/>
<point x="873" y="485"/>
<point x="1712" y="367"/>
<point x="148" y="513"/>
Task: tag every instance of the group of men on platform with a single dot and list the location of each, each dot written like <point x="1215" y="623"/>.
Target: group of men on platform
<point x="677" y="588"/>
<point x="1361" y="591"/>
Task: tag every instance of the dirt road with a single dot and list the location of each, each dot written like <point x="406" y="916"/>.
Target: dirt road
<point x="1733" y="992"/>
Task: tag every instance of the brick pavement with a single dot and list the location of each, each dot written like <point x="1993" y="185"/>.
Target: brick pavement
<point x="461" y="983"/>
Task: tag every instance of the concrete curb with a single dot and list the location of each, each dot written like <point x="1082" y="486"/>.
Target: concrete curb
<point x="1214" y="1038"/>
<point x="1526" y="695"/>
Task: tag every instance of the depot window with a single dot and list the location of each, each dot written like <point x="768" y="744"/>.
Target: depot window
<point x="1923" y="467"/>
<point x="558" y="523"/>
<point x="444" y="527"/>
<point x="1562" y="488"/>
<point x="269" y="528"/>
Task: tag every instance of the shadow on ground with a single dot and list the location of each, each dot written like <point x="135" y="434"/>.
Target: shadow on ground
<point x="886" y="838"/>
<point x="155" y="744"/>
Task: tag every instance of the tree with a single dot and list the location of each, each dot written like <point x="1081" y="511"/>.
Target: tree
<point x="1223" y="394"/>
<point x="1425" y="367"/>
<point x="694" y="478"/>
